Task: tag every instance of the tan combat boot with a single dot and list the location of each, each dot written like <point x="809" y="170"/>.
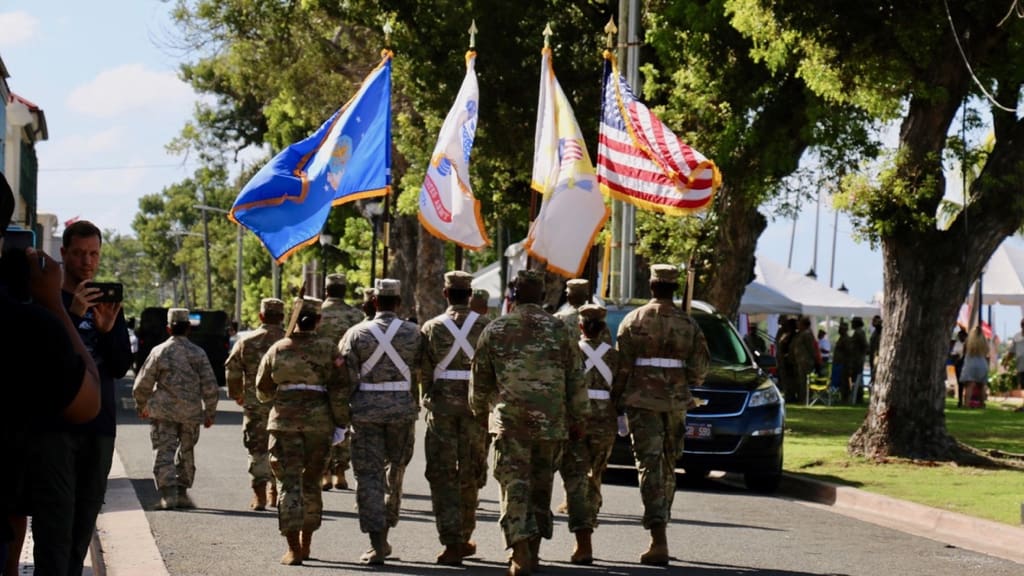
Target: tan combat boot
<point x="657" y="552"/>
<point x="272" y="494"/>
<point x="584" y="553"/>
<point x="293" y="557"/>
<point x="375" y="555"/>
<point x="305" y="541"/>
<point x="451" y="556"/>
<point x="535" y="554"/>
<point x="326" y="482"/>
<point x="184" y="501"/>
<point x="468" y="549"/>
<point x="168" y="499"/>
<point x="259" y="496"/>
<point x="520" y="563"/>
<point x="340" y="482"/>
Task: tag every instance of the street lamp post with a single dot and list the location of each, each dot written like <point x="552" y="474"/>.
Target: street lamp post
<point x="326" y="240"/>
<point x="372" y="211"/>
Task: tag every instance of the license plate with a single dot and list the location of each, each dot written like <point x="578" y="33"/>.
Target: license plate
<point x="698" y="430"/>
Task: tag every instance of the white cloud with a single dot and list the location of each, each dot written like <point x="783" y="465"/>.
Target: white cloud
<point x="76" y="149"/>
<point x="17" y="27"/>
<point x="131" y="88"/>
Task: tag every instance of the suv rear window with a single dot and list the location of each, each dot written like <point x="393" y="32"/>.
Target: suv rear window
<point x="724" y="344"/>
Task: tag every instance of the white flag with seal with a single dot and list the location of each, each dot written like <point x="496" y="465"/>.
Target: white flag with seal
<point x="572" y="211"/>
<point x="448" y="208"/>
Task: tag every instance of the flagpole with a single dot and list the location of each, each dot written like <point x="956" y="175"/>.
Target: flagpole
<point x="615" y="237"/>
<point x="387" y="197"/>
<point x="472" y="47"/>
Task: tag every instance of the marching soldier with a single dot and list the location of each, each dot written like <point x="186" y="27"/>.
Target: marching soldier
<point x="368" y="307"/>
<point x="662" y="353"/>
<point x="478" y="302"/>
<point x="240" y="370"/>
<point x="584" y="460"/>
<point x="177" y="390"/>
<point x="380" y="355"/>
<point x="528" y="371"/>
<point x="335" y="318"/>
<point x="301" y="376"/>
<point x="577" y="292"/>
<point x="454" y="440"/>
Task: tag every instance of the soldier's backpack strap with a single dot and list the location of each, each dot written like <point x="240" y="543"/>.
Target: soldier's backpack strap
<point x="384" y="347"/>
<point x="461" y="342"/>
<point x="595" y="359"/>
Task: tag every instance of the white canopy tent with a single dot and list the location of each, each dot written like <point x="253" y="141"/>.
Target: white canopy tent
<point x="1002" y="281"/>
<point x="760" y="299"/>
<point x="814" y="298"/>
<point x="489" y="277"/>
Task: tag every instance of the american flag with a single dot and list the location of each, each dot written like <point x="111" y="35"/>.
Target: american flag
<point x="640" y="161"/>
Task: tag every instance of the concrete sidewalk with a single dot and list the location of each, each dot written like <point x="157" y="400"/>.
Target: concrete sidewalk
<point x="125" y="544"/>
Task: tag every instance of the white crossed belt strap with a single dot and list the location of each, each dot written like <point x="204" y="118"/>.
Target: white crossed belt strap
<point x="384" y="347"/>
<point x="595" y="360"/>
<point x="461" y="342"/>
<point x="661" y="362"/>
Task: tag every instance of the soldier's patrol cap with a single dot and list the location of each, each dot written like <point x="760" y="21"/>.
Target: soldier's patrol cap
<point x="336" y="279"/>
<point x="176" y="315"/>
<point x="579" y="286"/>
<point x="482" y="294"/>
<point x="666" y="273"/>
<point x="592" y="311"/>
<point x="311" y="306"/>
<point x="387" y="287"/>
<point x="528" y="277"/>
<point x="271" y="305"/>
<point x="458" y="279"/>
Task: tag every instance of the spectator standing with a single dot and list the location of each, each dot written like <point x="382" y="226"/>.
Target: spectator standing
<point x="956" y="357"/>
<point x="825" y="347"/>
<point x="785" y="360"/>
<point x="841" y="355"/>
<point x="662" y="355"/>
<point x="754" y="341"/>
<point x="1017" y="350"/>
<point x="177" y="390"/>
<point x="975" y="371"/>
<point x="873" y="346"/>
<point x="805" y="360"/>
<point x="69" y="464"/>
<point x="240" y="370"/>
<point x="858" y="353"/>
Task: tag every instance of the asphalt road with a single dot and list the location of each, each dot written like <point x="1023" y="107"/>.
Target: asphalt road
<point x="717" y="529"/>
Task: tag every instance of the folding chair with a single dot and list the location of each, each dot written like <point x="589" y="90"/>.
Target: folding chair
<point x="819" y="389"/>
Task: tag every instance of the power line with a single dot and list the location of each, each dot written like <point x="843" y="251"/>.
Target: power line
<point x="106" y="168"/>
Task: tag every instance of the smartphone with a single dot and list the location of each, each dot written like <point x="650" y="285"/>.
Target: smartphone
<point x="110" y="291"/>
<point x="18" y="240"/>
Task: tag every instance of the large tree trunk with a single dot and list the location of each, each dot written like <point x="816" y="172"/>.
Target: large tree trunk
<point x="431" y="268"/>
<point x="740" y="225"/>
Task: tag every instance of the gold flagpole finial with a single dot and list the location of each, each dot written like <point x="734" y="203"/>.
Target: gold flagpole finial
<point x="472" y="35"/>
<point x="547" y="35"/>
<point x="611" y="30"/>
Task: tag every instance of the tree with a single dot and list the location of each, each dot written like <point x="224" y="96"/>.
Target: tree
<point x="918" y="62"/>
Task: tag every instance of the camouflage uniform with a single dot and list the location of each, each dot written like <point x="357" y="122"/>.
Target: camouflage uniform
<point x="528" y="371"/>
<point x="301" y="377"/>
<point x="662" y="353"/>
<point x="177" y="388"/>
<point x="454" y="439"/>
<point x="384" y="405"/>
<point x="584" y="460"/>
<point x="240" y="370"/>
<point x="578" y="288"/>
<point x="336" y="317"/>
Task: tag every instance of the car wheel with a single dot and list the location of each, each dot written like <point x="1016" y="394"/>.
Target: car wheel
<point x="763" y="483"/>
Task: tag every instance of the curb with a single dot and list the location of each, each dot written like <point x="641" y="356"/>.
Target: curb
<point x="952" y="528"/>
<point x="123" y="543"/>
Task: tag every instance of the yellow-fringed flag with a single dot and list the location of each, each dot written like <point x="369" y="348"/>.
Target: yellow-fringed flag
<point x="573" y="209"/>
<point x="448" y="208"/>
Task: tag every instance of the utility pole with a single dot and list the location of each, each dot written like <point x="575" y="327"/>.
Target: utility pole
<point x="238" y="262"/>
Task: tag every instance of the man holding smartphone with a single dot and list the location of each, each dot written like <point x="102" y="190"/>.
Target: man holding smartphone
<point x="71" y="462"/>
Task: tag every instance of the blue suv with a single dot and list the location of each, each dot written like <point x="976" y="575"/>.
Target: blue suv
<point x="741" y="426"/>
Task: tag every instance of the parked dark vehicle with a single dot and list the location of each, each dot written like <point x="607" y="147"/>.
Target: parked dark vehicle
<point x="740" y="429"/>
<point x="209" y="332"/>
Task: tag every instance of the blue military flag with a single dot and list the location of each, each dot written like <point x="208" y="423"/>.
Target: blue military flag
<point x="348" y="158"/>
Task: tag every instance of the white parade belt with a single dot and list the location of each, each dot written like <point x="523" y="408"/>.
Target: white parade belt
<point x="307" y="387"/>
<point x="660" y="362"/>
<point x="452" y="375"/>
<point x="396" y="386"/>
<point x="599" y="394"/>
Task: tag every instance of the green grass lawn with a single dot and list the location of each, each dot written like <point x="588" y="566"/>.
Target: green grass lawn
<point x="815" y="446"/>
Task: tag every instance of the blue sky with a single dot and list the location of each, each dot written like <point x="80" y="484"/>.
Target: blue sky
<point x="105" y="74"/>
